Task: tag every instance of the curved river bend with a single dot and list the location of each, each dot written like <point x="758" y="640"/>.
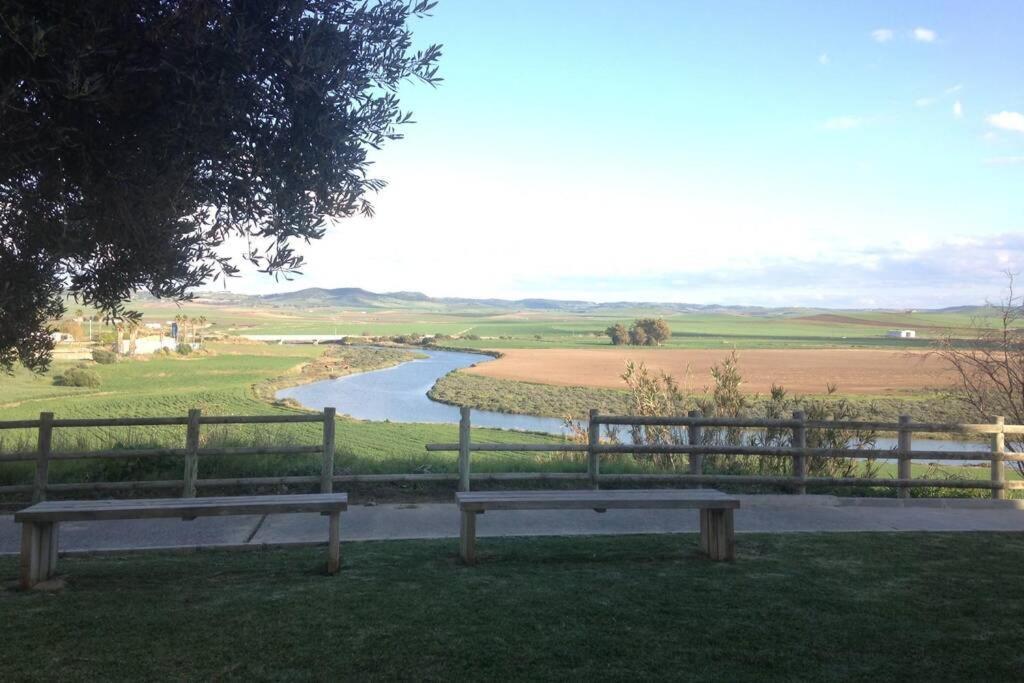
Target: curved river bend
<point x="399" y="394"/>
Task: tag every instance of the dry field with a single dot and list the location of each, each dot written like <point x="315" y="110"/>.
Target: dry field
<point x="854" y="371"/>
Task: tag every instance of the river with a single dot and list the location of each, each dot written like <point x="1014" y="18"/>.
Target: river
<point x="399" y="394"/>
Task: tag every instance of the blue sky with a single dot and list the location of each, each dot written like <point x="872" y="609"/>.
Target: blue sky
<point x="798" y="153"/>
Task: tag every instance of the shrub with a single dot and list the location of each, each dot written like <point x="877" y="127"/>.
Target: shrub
<point x="184" y="349"/>
<point x="77" y="377"/>
<point x="643" y="332"/>
<point x="649" y="332"/>
<point x="104" y="357"/>
<point x="618" y="334"/>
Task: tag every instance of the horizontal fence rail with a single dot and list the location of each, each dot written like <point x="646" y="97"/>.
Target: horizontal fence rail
<point x="44" y="453"/>
<point x="695" y="448"/>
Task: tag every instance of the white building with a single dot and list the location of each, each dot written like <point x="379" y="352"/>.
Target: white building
<point x="902" y="334"/>
<point x="148" y="345"/>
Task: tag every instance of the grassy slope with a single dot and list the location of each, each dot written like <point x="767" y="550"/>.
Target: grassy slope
<point x="221" y="384"/>
<point x="793" y="607"/>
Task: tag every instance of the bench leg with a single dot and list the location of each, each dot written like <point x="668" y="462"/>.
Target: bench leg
<point x="48" y="565"/>
<point x="38" y="553"/>
<point x="717" y="534"/>
<point x="467" y="537"/>
<point x="334" y="544"/>
<point x="29" y="562"/>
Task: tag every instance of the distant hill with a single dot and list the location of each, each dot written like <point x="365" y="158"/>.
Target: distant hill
<point x="355" y="297"/>
<point x="362" y="299"/>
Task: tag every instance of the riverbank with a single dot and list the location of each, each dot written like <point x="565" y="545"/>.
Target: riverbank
<point x="529" y="398"/>
<point x="335" y="361"/>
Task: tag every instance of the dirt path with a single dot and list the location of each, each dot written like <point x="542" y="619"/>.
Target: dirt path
<point x="854" y="371"/>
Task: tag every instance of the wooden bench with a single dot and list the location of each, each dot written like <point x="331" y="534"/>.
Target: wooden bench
<point x="717" y="536"/>
<point x="40" y="522"/>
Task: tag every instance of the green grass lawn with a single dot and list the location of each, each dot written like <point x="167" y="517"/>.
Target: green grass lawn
<point x="792" y="607"/>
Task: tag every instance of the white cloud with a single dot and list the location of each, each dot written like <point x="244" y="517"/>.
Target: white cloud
<point x="882" y="35"/>
<point x="843" y="123"/>
<point x="924" y="35"/>
<point x="1004" y="161"/>
<point x="952" y="90"/>
<point x="924" y="101"/>
<point x="958" y="110"/>
<point x="890" y="275"/>
<point x="1007" y="120"/>
<point x="823" y="59"/>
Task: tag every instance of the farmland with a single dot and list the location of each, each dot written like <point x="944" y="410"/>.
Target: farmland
<point x="557" y="362"/>
<point x="509" y="327"/>
<point x="806" y="371"/>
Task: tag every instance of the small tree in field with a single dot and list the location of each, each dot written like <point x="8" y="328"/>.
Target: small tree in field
<point x="649" y="332"/>
<point x="638" y="335"/>
<point x="618" y="334"/>
<point x="989" y="366"/>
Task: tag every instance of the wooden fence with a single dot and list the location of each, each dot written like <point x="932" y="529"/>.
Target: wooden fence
<point x="192" y="452"/>
<point x="696" y="447"/>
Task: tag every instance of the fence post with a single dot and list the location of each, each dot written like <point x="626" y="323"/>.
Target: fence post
<point x="998" y="449"/>
<point x="192" y="453"/>
<point x="327" y="466"/>
<point x="694" y="436"/>
<point x="464" y="427"/>
<point x="593" y="457"/>
<point x="800" y="461"/>
<point x="905" y="444"/>
<point x="44" y="445"/>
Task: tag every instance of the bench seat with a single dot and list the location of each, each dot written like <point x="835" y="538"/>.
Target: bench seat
<point x="717" y="533"/>
<point x="40" y="522"/>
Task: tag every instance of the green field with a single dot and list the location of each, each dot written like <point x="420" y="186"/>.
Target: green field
<point x="815" y="607"/>
<point x="218" y="384"/>
<point x="504" y="328"/>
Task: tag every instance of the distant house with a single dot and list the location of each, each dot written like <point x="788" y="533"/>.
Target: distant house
<point x="147" y="345"/>
<point x="61" y="337"/>
<point x="153" y="326"/>
<point x="902" y="334"/>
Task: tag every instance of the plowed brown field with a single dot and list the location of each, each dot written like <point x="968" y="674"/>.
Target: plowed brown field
<point x="803" y="371"/>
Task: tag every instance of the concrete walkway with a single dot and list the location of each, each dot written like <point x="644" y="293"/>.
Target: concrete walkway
<point x="764" y="513"/>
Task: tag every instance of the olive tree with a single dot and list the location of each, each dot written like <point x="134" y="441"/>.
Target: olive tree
<point x="137" y="136"/>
